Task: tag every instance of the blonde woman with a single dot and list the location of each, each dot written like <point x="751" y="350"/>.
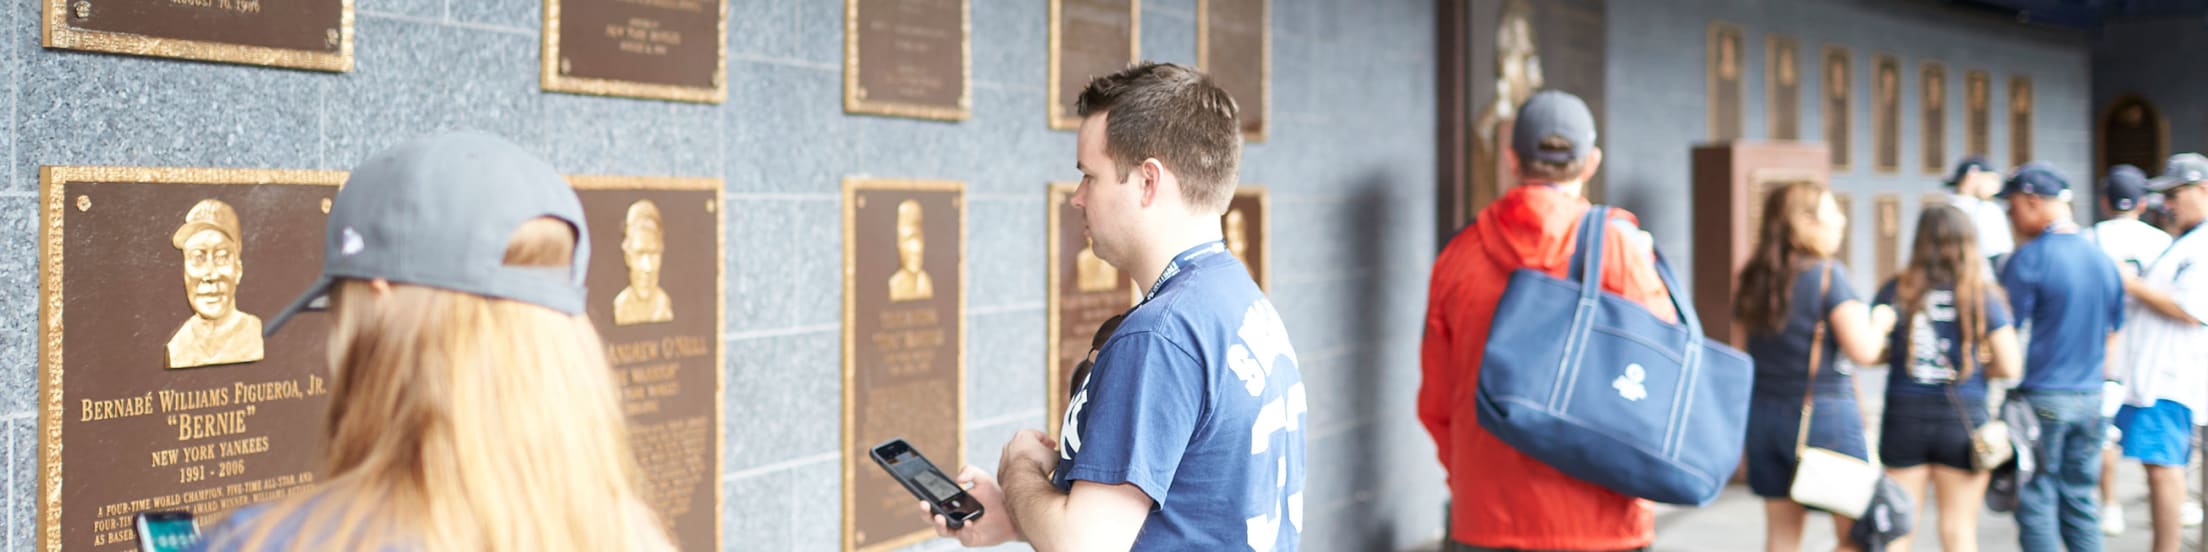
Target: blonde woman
<point x="471" y="407"/>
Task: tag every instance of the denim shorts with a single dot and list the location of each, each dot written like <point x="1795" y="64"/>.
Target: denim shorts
<point x="1772" y="425"/>
<point x="1928" y="429"/>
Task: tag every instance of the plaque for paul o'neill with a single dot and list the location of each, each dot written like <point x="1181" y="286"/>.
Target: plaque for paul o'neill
<point x="300" y="34"/>
<point x="908" y="58"/>
<point x="156" y="389"/>
<point x="659" y="49"/>
<point x="1085" y="291"/>
<point x="656" y="297"/>
<point x="904" y="354"/>
<point x="1234" y="43"/>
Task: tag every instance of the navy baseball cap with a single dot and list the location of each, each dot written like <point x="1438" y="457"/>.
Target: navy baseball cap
<point x="1966" y="166"/>
<point x="2124" y="187"/>
<point x="1557" y="114"/>
<point x="2184" y="168"/>
<point x="438" y="212"/>
<point x="2037" y="179"/>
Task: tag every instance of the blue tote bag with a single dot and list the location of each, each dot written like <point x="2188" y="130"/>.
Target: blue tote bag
<point x="1601" y="389"/>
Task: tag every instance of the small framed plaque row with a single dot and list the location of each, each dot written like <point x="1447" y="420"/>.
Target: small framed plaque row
<point x="1835" y="71"/>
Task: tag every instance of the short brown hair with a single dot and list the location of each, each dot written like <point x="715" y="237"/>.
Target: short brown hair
<point x="1176" y="115"/>
<point x="1545" y="171"/>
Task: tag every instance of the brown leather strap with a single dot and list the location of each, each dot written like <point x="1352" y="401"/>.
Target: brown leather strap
<point x="1816" y="357"/>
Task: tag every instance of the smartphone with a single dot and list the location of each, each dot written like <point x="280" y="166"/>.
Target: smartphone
<point x="166" y="531"/>
<point x="925" y="481"/>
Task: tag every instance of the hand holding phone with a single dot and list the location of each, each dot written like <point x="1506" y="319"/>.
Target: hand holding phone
<point x="165" y="531"/>
<point x="923" y="480"/>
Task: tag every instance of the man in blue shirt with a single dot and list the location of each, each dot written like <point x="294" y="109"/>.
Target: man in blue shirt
<point x="2070" y="300"/>
<point x="1188" y="432"/>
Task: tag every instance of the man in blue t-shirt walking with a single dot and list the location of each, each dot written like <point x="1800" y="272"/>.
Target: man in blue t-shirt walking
<point x="1188" y="434"/>
<point x="2070" y="301"/>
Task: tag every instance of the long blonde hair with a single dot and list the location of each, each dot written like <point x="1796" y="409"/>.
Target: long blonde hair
<point x="464" y="422"/>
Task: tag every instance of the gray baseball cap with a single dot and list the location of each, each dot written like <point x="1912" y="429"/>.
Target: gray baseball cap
<point x="1558" y="114"/>
<point x="438" y="212"/>
<point x="2183" y="168"/>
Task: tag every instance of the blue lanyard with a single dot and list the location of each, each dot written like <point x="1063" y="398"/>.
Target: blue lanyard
<point x="1179" y="263"/>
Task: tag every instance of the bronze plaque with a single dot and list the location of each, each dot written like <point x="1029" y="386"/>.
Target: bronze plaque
<point x="1977" y="115"/>
<point x="1085" y="291"/>
<point x="1234" y="43"/>
<point x="1783" y="83"/>
<point x="2020" y="120"/>
<point x="1836" y="85"/>
<point x="1934" y="104"/>
<point x="2133" y="133"/>
<point x="1246" y="227"/>
<point x="1847" y="207"/>
<point x="659" y="49"/>
<point x="160" y="394"/>
<point x="1725" y="93"/>
<point x="1088" y="39"/>
<point x="908" y="58"/>
<point x="656" y="297"/>
<point x="300" y="34"/>
<point x="1932" y="199"/>
<point x="904" y="354"/>
<point x="1886" y="114"/>
<point x="1888" y="244"/>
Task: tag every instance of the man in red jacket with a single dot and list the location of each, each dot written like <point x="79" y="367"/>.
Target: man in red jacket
<point x="1504" y="500"/>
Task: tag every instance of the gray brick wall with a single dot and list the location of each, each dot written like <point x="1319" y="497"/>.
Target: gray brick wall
<point x="1657" y="110"/>
<point x="1350" y="162"/>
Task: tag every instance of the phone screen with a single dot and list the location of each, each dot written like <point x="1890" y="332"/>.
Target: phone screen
<point x="167" y="533"/>
<point x="910" y="466"/>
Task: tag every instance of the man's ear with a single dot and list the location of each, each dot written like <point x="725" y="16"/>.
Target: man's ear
<point x="1153" y="173"/>
<point x="1594" y="162"/>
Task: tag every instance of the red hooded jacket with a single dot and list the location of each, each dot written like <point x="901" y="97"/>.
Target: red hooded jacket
<point x="1501" y="498"/>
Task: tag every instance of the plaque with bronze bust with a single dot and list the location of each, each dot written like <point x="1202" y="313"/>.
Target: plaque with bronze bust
<point x="1783" y="83"/>
<point x="904" y="354"/>
<point x="2132" y="132"/>
<point x="1234" y="44"/>
<point x="1934" y="107"/>
<point x="908" y="58"/>
<point x="1246" y="227"/>
<point x="156" y="397"/>
<point x="1886" y="114"/>
<point x="656" y="296"/>
<point x="1724" y="82"/>
<point x="660" y="49"/>
<point x="1088" y="39"/>
<point x="1085" y="291"/>
<point x="1836" y="91"/>
<point x="1886" y="236"/>
<point x="299" y="34"/>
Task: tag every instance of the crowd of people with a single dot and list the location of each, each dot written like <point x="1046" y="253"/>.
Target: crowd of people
<point x="2008" y="316"/>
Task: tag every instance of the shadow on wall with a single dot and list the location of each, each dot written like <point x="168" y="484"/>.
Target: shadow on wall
<point x="1371" y="213"/>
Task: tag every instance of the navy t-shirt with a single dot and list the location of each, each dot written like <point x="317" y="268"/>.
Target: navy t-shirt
<point x="1197" y="400"/>
<point x="2068" y="298"/>
<point x="1782" y="358"/>
<point x="1927" y="354"/>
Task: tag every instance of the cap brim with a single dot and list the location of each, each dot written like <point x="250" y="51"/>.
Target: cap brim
<point x="2166" y="183"/>
<point x="316" y="298"/>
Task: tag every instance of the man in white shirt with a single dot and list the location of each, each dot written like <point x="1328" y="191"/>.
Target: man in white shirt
<point x="2168" y="394"/>
<point x="1972" y="186"/>
<point x="2131" y="244"/>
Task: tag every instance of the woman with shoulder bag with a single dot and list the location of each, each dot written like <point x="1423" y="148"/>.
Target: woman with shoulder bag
<point x="1801" y="313"/>
<point x="1952" y="315"/>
